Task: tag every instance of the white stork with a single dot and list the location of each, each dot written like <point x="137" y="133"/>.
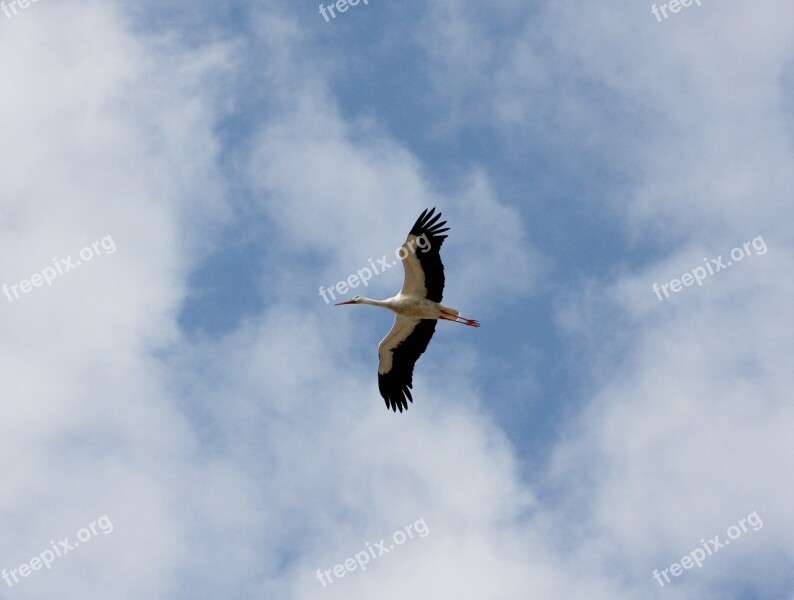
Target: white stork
<point x="418" y="306"/>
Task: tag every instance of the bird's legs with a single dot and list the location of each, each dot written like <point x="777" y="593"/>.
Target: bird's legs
<point x="447" y="316"/>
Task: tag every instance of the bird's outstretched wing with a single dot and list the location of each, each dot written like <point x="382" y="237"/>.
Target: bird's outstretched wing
<point x="398" y="353"/>
<point x="424" y="273"/>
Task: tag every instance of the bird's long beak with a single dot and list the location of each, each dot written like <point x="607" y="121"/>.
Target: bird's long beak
<point x="345" y="302"/>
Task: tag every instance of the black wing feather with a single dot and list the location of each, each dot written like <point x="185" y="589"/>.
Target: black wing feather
<point x="430" y="259"/>
<point x="395" y="385"/>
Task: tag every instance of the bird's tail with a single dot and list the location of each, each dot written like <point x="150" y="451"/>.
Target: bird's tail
<point x="450" y="311"/>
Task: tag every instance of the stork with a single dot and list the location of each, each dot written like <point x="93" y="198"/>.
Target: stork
<point x="418" y="307"/>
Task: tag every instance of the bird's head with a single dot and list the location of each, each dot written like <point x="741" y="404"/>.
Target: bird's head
<point x="353" y="300"/>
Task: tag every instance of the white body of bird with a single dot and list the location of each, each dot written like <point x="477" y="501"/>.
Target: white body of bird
<point x="409" y="305"/>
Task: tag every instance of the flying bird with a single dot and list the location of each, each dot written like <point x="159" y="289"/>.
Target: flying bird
<point x="418" y="307"/>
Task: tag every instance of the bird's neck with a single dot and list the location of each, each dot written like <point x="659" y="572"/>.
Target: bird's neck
<point x="384" y="303"/>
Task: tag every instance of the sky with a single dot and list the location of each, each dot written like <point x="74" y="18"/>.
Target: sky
<point x="185" y="417"/>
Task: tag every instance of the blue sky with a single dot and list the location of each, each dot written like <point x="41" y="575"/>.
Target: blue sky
<point x="193" y="386"/>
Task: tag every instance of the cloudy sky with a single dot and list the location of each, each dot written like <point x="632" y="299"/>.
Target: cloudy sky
<point x="185" y="417"/>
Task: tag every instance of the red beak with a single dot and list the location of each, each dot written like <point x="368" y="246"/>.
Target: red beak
<point x="345" y="302"/>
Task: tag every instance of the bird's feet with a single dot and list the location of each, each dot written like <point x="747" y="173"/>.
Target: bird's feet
<point x="456" y="319"/>
<point x="469" y="322"/>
